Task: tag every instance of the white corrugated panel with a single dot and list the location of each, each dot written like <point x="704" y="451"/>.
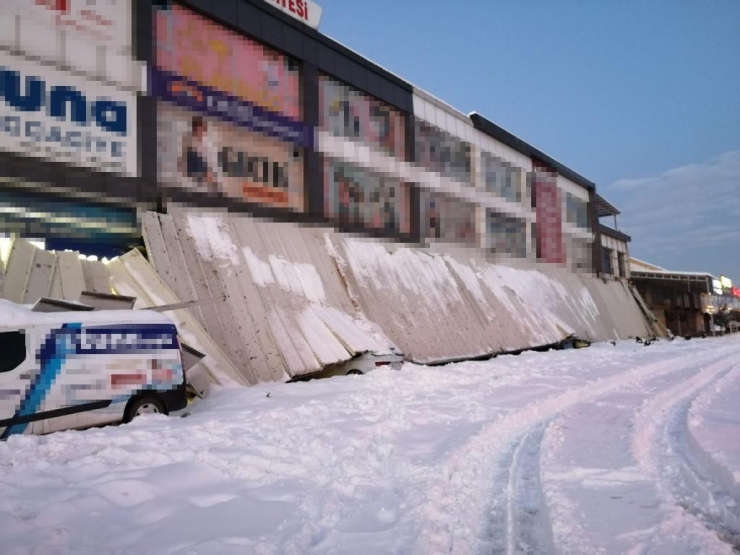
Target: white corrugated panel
<point x="133" y="276"/>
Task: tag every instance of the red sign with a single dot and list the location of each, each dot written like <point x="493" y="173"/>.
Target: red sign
<point x="549" y="220"/>
<point x="735" y="292"/>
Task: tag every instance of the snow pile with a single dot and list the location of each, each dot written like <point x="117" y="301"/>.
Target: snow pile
<point x="212" y="239"/>
<point x="579" y="451"/>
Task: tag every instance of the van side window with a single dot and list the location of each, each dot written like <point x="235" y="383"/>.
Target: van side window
<point x="12" y="350"/>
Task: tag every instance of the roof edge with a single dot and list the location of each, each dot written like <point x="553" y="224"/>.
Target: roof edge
<point x="486" y="126"/>
<point x="615" y="233"/>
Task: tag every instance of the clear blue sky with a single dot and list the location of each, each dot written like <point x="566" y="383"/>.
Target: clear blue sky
<point x="641" y="97"/>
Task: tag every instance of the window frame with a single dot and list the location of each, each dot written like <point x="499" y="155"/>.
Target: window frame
<point x="23" y="333"/>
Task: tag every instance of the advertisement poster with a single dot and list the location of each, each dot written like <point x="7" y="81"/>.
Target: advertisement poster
<point x="204" y="52"/>
<point x="447" y="219"/>
<point x="506" y="235"/>
<point x="549" y="212"/>
<point x="349" y="113"/>
<point x="442" y="153"/>
<point x="105" y="22"/>
<point x="55" y="115"/>
<point x="211" y="156"/>
<point x="500" y="178"/>
<point x="359" y="198"/>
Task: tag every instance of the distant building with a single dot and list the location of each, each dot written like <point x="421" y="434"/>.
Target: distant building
<point x="247" y="108"/>
<point x="677" y="299"/>
<point x="614" y="259"/>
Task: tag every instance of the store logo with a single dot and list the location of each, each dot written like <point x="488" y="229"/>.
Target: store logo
<point x="57" y="5"/>
<point x="61" y="102"/>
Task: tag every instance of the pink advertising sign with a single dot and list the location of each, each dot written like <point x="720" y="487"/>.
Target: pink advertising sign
<point x="200" y="50"/>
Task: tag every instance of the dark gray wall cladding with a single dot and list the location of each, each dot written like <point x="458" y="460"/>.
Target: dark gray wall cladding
<point x="225" y="10"/>
<point x="611" y="232"/>
<point x="146" y="123"/>
<point x="267" y="24"/>
<point x="248" y="19"/>
<point x="142" y="30"/>
<point x="90" y="183"/>
<point x="312" y="167"/>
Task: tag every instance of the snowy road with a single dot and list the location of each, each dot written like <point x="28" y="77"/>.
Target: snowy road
<point x="611" y="449"/>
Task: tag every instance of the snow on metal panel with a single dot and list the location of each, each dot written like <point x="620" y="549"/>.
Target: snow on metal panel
<point x="218" y="254"/>
<point x="71" y="278"/>
<point x="233" y="274"/>
<point x="350" y="332"/>
<point x="366" y="291"/>
<point x="40" y="276"/>
<point x="288" y="302"/>
<point x="253" y="271"/>
<point x="20" y="263"/>
<point x="133" y="276"/>
<point x="154" y="241"/>
<point x="96" y="276"/>
<point x="462" y="305"/>
<point x="300" y="298"/>
<point x="55" y="291"/>
<point x="180" y="245"/>
<point x="285" y="289"/>
<point x="262" y="283"/>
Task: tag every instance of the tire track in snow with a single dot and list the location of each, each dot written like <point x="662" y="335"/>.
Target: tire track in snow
<point x="518" y="519"/>
<point x="662" y="450"/>
<point x="456" y="506"/>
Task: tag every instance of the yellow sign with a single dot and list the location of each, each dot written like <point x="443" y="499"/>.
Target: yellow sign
<point x="726" y="282"/>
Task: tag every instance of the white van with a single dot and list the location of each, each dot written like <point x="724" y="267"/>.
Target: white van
<point x="64" y="370"/>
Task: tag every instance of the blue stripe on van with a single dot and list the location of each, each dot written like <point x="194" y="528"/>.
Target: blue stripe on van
<point x="51" y="356"/>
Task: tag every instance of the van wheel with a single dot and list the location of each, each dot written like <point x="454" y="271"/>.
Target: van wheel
<point x="354" y="372"/>
<point x="144" y="405"/>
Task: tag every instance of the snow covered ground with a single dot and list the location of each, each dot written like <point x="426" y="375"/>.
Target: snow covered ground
<point x="611" y="449"/>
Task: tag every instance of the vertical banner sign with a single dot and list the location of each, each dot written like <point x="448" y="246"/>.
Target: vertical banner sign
<point x="549" y="219"/>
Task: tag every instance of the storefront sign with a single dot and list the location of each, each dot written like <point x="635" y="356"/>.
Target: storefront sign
<point x="506" y="235"/>
<point x="440" y="152"/>
<point x="305" y="11"/>
<point x="735" y="291"/>
<point x="717" y="286"/>
<point x="210" y="156"/>
<point x="346" y="112"/>
<point x="726" y="282"/>
<point x="100" y="21"/>
<point x="359" y="198"/>
<point x="51" y="114"/>
<point x="500" y="178"/>
<point x="210" y="55"/>
<point x="447" y="219"/>
<point x="198" y="98"/>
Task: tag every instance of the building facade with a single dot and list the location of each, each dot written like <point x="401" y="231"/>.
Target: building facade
<point x="615" y="257"/>
<point x="244" y="106"/>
